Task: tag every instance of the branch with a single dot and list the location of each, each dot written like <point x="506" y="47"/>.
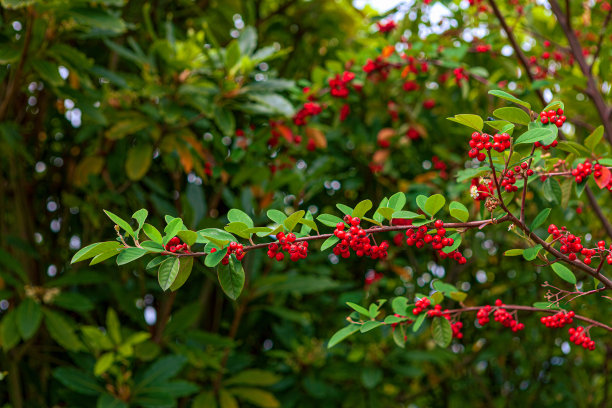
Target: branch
<point x="515" y="46"/>
<point x="602" y="33"/>
<point x="592" y="90"/>
<point x="533" y="309"/>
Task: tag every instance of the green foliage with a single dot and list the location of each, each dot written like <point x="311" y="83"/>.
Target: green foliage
<point x="184" y="111"/>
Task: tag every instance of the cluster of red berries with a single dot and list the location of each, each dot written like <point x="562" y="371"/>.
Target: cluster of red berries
<point x="500" y="315"/>
<point x="481" y="189"/>
<point x="175" y="246"/>
<point x="558" y="320"/>
<point x="483" y="315"/>
<point x="421" y="305"/>
<point x="413" y="134"/>
<point x="456" y="328"/>
<point x="570" y="244"/>
<point x="555" y="117"/>
<point x="579" y="337"/>
<point x="296" y="250"/>
<point x="582" y="171"/>
<point x="309" y="109"/>
<point x="441" y="166"/>
<point x="546" y="147"/>
<point x="483" y="48"/>
<point x="339" y="84"/>
<point x="385" y="27"/>
<point x="508" y="181"/>
<point x="410" y="86"/>
<point x="482" y="141"/>
<point x="460" y="74"/>
<point x="437" y="311"/>
<point x="233" y="248"/>
<point x="438" y="241"/>
<point x="345" y="110"/>
<point x="378" y="68"/>
<point x="414" y="66"/>
<point x="358" y="240"/>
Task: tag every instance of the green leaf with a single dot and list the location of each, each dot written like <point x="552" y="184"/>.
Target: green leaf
<point x="235" y="215"/>
<point x="418" y="322"/>
<point x="238" y="228"/>
<point x="293" y="219"/>
<point x="109" y="401"/>
<point x="458" y="211"/>
<point x="231" y="278"/>
<point x="120" y="222"/>
<point x="152" y="246"/>
<point x="441" y="331"/>
<point x="443" y="287"/>
<point x="508" y="97"/>
<point x="130" y="254"/>
<point x="359" y="309"/>
<point x="152" y="233"/>
<point x="458" y="296"/>
<point x="329" y="242"/>
<point x="224" y="118"/>
<point x="514" y="252"/>
<point x="188" y="237"/>
<point x="456" y="243"/>
<point x="329" y="220"/>
<point x="103" y="363"/>
<point x="408" y="215"/>
<point x="397" y="201"/>
<point x="370" y="325"/>
<point x="29" y="316"/>
<point x="167" y="273"/>
<point x="217" y="236"/>
<point x="540" y="219"/>
<point x="514" y="115"/>
<point x="386" y="212"/>
<point x="156" y="261"/>
<point x="112" y="326"/>
<point x="48" y="72"/>
<point x="277" y="216"/>
<point x="473" y="121"/>
<point x="78" y="381"/>
<point x="434" y="204"/>
<point x="185" y="267"/>
<point x="421" y="200"/>
<point x="9" y="333"/>
<point x="256" y="377"/>
<point x="94" y="249"/>
<point x="138" y="161"/>
<point x="362" y="208"/>
<point x="255" y="396"/>
<point x="564" y="272"/>
<point x="62" y="332"/>
<point x="400" y="305"/>
<point x="531" y="253"/>
<point x="342" y="334"/>
<point x="536" y="135"/>
<point x="161" y="371"/>
<point x="344" y="208"/>
<point x="214" y="258"/>
<point x="551" y="190"/>
<point x="580" y="187"/>
<point x="310" y="224"/>
<point x="140" y="216"/>
<point x="172" y="229"/>
<point x="399" y="337"/>
<point x="594" y="138"/>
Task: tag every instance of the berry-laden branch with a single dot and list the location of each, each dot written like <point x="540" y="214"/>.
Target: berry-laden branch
<point x="507" y="162"/>
<point x="446" y="324"/>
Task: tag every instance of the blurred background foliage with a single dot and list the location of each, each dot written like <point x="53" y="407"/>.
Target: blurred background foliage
<point x="185" y="108"/>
